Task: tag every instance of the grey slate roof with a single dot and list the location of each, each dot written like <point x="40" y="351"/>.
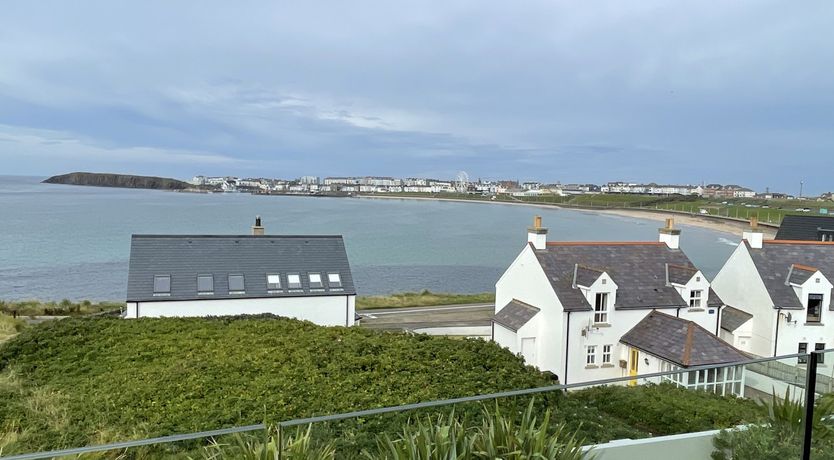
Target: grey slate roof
<point x="805" y="228"/>
<point x="515" y="314"/>
<point x="183" y="257"/>
<point x="799" y="274"/>
<point x="680" y="341"/>
<point x="777" y="259"/>
<point x="732" y="318"/>
<point x="639" y="269"/>
<point x="586" y="276"/>
<point x="679" y="274"/>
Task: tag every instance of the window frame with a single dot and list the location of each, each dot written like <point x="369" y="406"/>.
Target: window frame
<point x="160" y="292"/>
<point x="601" y="308"/>
<point x="590" y="355"/>
<point x="819" y="346"/>
<point x="606" y="353"/>
<point x="814" y="319"/>
<point x="274" y="287"/>
<point x="204" y="291"/>
<point x="334" y="284"/>
<point x="802" y="348"/>
<point x="294" y="286"/>
<point x="315" y="284"/>
<point x="696" y="298"/>
<point x="242" y="280"/>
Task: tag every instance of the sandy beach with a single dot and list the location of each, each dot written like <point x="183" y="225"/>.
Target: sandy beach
<point x="717" y="224"/>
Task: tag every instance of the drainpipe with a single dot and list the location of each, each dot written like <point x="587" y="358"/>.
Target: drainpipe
<point x="678" y="312"/>
<point x="776" y="340"/>
<point x="567" y="346"/>
<point x="718" y="320"/>
<point x="347" y="308"/>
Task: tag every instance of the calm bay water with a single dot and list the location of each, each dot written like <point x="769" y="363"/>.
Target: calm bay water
<point x="59" y="241"/>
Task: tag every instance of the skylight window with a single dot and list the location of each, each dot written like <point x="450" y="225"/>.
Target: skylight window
<point x="205" y="284"/>
<point x="273" y="282"/>
<point x="315" y="281"/>
<point x="334" y="280"/>
<point x="162" y="285"/>
<point x="294" y="281"/>
<point x="236" y="284"/>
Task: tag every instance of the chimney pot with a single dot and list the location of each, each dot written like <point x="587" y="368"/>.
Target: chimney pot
<point x="670" y="235"/>
<point x="537" y="234"/>
<point x="754" y="236"/>
<point x="257" y="229"/>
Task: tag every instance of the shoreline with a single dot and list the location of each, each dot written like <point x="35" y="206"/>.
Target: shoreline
<point x="732" y="227"/>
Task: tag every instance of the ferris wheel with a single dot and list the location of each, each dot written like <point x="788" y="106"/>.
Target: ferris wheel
<point x="462" y="181"/>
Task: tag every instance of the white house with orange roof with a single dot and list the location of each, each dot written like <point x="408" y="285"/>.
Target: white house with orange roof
<point x="595" y="310"/>
<point x="781" y="293"/>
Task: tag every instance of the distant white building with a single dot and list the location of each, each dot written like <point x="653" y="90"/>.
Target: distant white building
<point x="781" y="291"/>
<point x="595" y="310"/>
<point x="305" y="277"/>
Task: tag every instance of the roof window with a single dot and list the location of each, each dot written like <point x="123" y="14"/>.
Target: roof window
<point x="315" y="281"/>
<point x="273" y="282"/>
<point x="162" y="285"/>
<point x="236" y="284"/>
<point x="205" y="284"/>
<point x="334" y="280"/>
<point x="294" y="281"/>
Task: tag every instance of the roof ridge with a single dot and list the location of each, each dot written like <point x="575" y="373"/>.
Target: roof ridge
<point x="692" y="268"/>
<point x="605" y="243"/>
<point x="140" y="235"/>
<point x="806" y="268"/>
<point x="525" y="304"/>
<point x="821" y="243"/>
<point x="587" y="267"/>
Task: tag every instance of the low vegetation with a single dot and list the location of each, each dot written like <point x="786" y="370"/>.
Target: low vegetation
<point x="81" y="381"/>
<point x="421" y="299"/>
<point x="10" y="327"/>
<point x="62" y="308"/>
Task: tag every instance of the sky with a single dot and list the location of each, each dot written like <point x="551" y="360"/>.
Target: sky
<point x="572" y="91"/>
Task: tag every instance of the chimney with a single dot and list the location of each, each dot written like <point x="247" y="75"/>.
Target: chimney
<point x="670" y="235"/>
<point x="257" y="229"/>
<point x="754" y="236"/>
<point x="537" y="234"/>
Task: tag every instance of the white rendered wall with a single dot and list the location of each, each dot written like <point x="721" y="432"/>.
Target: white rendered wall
<point x="322" y="310"/>
<point x="525" y="280"/>
<point x="791" y="334"/>
<point x="739" y="285"/>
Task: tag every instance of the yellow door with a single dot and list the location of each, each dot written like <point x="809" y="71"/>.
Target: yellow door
<point x="634" y="357"/>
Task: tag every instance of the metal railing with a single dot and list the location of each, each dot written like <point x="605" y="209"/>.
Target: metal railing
<point x="810" y="367"/>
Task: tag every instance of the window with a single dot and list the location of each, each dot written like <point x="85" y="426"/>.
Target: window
<point x="294" y="281"/>
<point x="273" y="282"/>
<point x="695" y="299"/>
<point x="236" y="284"/>
<point x="315" y="281"/>
<point x="803" y="348"/>
<point x="205" y="284"/>
<point x="606" y="354"/>
<point x="334" y="280"/>
<point x="162" y="285"/>
<point x="591" y="355"/>
<point x="601" y="308"/>
<point x="814" y="308"/>
<point x="820" y="356"/>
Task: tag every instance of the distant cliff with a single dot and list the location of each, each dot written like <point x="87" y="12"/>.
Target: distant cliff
<point x="118" y="180"/>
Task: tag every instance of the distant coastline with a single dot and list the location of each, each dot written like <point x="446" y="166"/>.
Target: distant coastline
<point x="719" y="224"/>
<point x="118" y="181"/>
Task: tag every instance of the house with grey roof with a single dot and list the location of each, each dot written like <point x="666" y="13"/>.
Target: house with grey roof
<point x="781" y="293"/>
<point x="595" y="310"/>
<point x="806" y="228"/>
<point x="307" y="277"/>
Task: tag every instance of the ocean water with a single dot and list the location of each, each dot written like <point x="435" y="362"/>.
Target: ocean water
<point x="59" y="241"/>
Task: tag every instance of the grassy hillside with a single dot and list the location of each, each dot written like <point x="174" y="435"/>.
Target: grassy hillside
<point x="81" y="381"/>
<point x="62" y="308"/>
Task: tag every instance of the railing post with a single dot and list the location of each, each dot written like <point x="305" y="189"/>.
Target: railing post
<point x="810" y="388"/>
<point x="280" y="442"/>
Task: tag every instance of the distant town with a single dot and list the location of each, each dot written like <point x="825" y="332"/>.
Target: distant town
<point x="463" y="185"/>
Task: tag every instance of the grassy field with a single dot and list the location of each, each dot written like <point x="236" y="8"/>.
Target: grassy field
<point x="79" y="381"/>
<point x="9" y="327"/>
<point x="62" y="308"/>
<point x="770" y="211"/>
<point x="421" y="299"/>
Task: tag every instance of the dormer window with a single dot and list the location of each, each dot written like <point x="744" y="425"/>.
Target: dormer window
<point x="814" y="308"/>
<point x="601" y="308"/>
<point x="695" y="298"/>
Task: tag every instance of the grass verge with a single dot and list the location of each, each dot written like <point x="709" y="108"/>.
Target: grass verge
<point x="421" y="299"/>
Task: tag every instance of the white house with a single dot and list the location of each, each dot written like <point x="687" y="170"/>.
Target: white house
<point x="306" y="277"/>
<point x="595" y="310"/>
<point x="782" y="291"/>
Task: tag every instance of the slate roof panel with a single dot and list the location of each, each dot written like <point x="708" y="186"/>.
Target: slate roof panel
<point x="775" y="259"/>
<point x="732" y="318"/>
<point x="515" y="314"/>
<point x="805" y="228"/>
<point x="680" y="341"/>
<point x="183" y="257"/>
<point x="638" y="269"/>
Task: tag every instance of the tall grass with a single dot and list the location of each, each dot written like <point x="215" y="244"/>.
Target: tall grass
<point x="10" y="327"/>
<point x="425" y="298"/>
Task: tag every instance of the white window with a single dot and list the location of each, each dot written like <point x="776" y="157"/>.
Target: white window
<point x="695" y="299"/>
<point x="315" y="281"/>
<point x="273" y="282"/>
<point x="601" y="308"/>
<point x="591" y="355"/>
<point x="606" y="354"/>
<point x="334" y="280"/>
<point x="294" y="281"/>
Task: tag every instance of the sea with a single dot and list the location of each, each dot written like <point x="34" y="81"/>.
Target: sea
<point x="70" y="242"/>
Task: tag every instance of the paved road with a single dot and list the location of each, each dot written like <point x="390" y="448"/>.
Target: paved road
<point x="428" y="317"/>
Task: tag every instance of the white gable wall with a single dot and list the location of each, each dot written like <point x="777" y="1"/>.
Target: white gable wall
<point x="739" y="285"/>
<point x="322" y="310"/>
<point x="791" y="334"/>
<point x="525" y="280"/>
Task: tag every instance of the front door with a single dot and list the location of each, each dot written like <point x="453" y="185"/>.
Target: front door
<point x="634" y="357"/>
<point x="528" y="350"/>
